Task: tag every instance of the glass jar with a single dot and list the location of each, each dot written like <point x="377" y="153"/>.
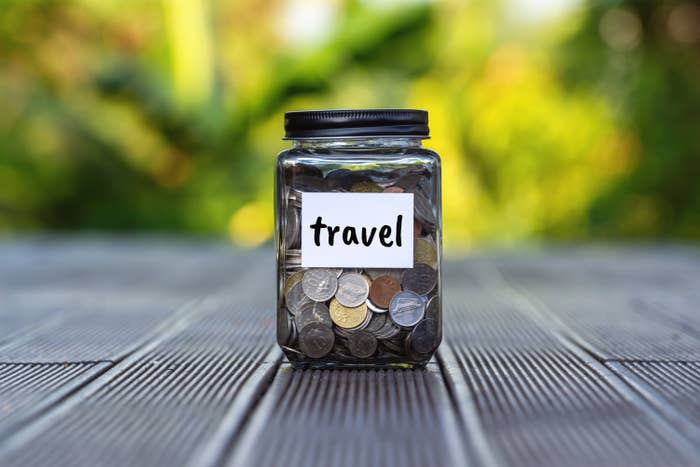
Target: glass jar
<point x="358" y="232"/>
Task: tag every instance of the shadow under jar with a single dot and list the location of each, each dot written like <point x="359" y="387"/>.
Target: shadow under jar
<point x="358" y="226"/>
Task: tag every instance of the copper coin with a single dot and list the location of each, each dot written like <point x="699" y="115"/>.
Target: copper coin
<point x="393" y="189"/>
<point x="417" y="228"/>
<point x="383" y="290"/>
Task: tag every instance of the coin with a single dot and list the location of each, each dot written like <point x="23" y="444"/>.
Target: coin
<point x="296" y="298"/>
<point x="425" y="337"/>
<point x="294" y="197"/>
<point x="424" y="251"/>
<point x="406" y="309"/>
<point x="352" y="289"/>
<point x="291" y="228"/>
<point x="395" y="345"/>
<point x="316" y="340"/>
<point x="393" y="189"/>
<point x="347" y="317"/>
<point x="363" y="324"/>
<point x="313" y="312"/>
<point x="306" y="183"/>
<point x="362" y="344"/>
<point x="320" y="284"/>
<point x="338" y="180"/>
<point x="388" y="330"/>
<point x="375" y="308"/>
<point x="342" y="333"/>
<point x="421" y="279"/>
<point x="383" y="290"/>
<point x="417" y="229"/>
<point x="340" y="349"/>
<point x="302" y="169"/>
<point x="423" y="210"/>
<point x="293" y="258"/>
<point x="366" y="187"/>
<point x="376" y="272"/>
<point x="291" y="281"/>
<point x="376" y="322"/>
<point x="432" y="309"/>
<point x="410" y="181"/>
<point x="285" y="327"/>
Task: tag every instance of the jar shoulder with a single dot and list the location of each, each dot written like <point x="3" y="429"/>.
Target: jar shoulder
<point x="384" y="155"/>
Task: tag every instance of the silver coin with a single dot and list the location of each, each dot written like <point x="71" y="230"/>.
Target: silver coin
<point x="313" y="312"/>
<point x="420" y="279"/>
<point x="285" y="327"/>
<point x="335" y="179"/>
<point x="295" y="196"/>
<point x="423" y="210"/>
<point x="316" y="340"/>
<point x="320" y="284"/>
<point x="305" y="182"/>
<point x="353" y="270"/>
<point x="375" y="308"/>
<point x="343" y="179"/>
<point x="432" y="309"/>
<point x="406" y="309"/>
<point x="376" y="322"/>
<point x="296" y="298"/>
<point x="292" y="258"/>
<point x="341" y="332"/>
<point x="291" y="228"/>
<point x="340" y="349"/>
<point x="409" y="181"/>
<point x="362" y="344"/>
<point x="425" y="337"/>
<point x="352" y="290"/>
<point x="396" y="345"/>
<point x="388" y="330"/>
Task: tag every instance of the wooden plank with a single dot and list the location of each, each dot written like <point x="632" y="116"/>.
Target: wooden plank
<point x="358" y="417"/>
<point x="27" y="390"/>
<point x="598" y="301"/>
<point x="161" y="404"/>
<point x="511" y="388"/>
<point x="672" y="387"/>
<point x="538" y="400"/>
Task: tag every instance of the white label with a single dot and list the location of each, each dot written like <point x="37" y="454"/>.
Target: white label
<point x="357" y="230"/>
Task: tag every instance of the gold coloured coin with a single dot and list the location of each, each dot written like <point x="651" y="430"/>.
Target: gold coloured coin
<point x="366" y="187"/>
<point x="292" y="281"/>
<point x="424" y="252"/>
<point x="347" y="317"/>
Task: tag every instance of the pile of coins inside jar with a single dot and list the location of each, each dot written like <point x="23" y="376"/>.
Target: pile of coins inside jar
<point x="361" y="314"/>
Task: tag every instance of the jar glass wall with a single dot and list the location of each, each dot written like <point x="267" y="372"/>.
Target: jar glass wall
<point x="366" y="314"/>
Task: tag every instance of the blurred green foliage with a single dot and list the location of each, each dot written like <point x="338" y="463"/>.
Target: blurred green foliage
<point x="145" y="115"/>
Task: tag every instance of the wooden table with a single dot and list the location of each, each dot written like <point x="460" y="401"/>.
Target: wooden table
<point x="149" y="351"/>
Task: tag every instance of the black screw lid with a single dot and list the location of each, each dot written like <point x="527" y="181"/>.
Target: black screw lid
<point x="360" y="122"/>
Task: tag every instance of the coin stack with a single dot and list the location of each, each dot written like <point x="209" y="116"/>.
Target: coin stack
<point x="360" y="315"/>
